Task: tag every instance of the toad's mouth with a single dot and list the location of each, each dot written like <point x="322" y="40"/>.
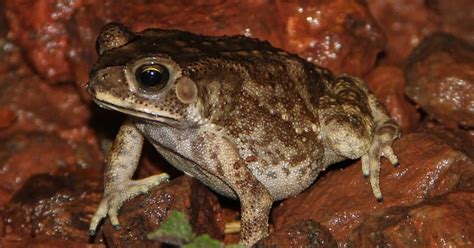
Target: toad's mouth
<point x="136" y="113"/>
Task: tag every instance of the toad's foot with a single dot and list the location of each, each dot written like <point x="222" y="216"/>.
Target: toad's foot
<point x="381" y="146"/>
<point x="115" y="195"/>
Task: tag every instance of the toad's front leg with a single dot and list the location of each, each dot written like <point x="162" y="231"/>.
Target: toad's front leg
<point x="118" y="184"/>
<point x="356" y="125"/>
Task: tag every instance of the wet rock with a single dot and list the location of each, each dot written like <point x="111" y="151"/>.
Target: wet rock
<point x="58" y="37"/>
<point x="388" y="84"/>
<point x="443" y="221"/>
<point x="39" y="106"/>
<point x="24" y="155"/>
<point x="3" y="23"/>
<point x="340" y="35"/>
<point x="460" y="139"/>
<point x="45" y="242"/>
<point x="405" y="23"/>
<point x="7" y="117"/>
<point x="40" y="27"/>
<point x="53" y="207"/>
<point x="455" y="17"/>
<point x="440" y="78"/>
<point x="342" y="199"/>
<point x="144" y="213"/>
<point x="302" y="234"/>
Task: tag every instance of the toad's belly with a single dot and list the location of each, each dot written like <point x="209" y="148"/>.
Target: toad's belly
<point x="281" y="177"/>
<point x="281" y="183"/>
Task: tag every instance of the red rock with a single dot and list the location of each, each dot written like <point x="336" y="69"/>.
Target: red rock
<point x="24" y="155"/>
<point x="340" y="35"/>
<point x="342" y="199"/>
<point x="388" y="84"/>
<point x="40" y="107"/>
<point x="302" y="234"/>
<point x="440" y="78"/>
<point x="443" y="221"/>
<point x="144" y="213"/>
<point x="462" y="140"/>
<point x="40" y="28"/>
<point x="46" y="242"/>
<point x="405" y="23"/>
<point x="455" y="17"/>
<point x="59" y="37"/>
<point x="53" y="207"/>
<point x="7" y="117"/>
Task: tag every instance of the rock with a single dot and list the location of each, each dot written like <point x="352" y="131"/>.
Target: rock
<point x="442" y="221"/>
<point x="405" y="23"/>
<point x="143" y="214"/>
<point x="460" y="139"/>
<point x="341" y="35"/>
<point x="342" y="199"/>
<point x="39" y="106"/>
<point x="455" y="17"/>
<point x="58" y="37"/>
<point x="7" y="117"/>
<point x="302" y="234"/>
<point x="24" y="155"/>
<point x="440" y="78"/>
<point x="46" y="242"/>
<point x="388" y="84"/>
<point x="53" y="207"/>
<point x="40" y="27"/>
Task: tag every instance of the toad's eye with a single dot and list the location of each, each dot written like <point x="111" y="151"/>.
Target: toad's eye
<point x="152" y="77"/>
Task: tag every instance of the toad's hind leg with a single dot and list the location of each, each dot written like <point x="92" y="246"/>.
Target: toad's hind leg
<point x="355" y="125"/>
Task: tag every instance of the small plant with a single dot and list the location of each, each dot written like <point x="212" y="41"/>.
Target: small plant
<point x="176" y="230"/>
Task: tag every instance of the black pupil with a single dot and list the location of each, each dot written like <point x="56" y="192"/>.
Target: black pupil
<point x="152" y="76"/>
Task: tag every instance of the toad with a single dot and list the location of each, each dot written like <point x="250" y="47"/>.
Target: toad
<point x="250" y="121"/>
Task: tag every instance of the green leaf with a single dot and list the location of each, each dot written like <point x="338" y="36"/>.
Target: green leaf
<point x="175" y="230"/>
<point x="204" y="241"/>
<point x="234" y="246"/>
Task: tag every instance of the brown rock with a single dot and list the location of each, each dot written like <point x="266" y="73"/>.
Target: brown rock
<point x="341" y="199"/>
<point x="460" y="139"/>
<point x="24" y="155"/>
<point x="53" y="206"/>
<point x="388" y="84"/>
<point x="405" y="23"/>
<point x="143" y="214"/>
<point x="45" y="242"/>
<point x="40" y="28"/>
<point x="7" y="117"/>
<point x="455" y="16"/>
<point x="38" y="106"/>
<point x="440" y="78"/>
<point x="443" y="221"/>
<point x="302" y="234"/>
<point x="58" y="38"/>
<point x="341" y="35"/>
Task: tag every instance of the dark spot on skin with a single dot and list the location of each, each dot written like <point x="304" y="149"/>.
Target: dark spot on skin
<point x="286" y="171"/>
<point x="272" y="175"/>
<point x="250" y="159"/>
<point x="303" y="171"/>
<point x="239" y="164"/>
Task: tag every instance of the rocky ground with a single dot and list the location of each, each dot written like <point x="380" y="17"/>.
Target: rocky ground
<point x="417" y="56"/>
